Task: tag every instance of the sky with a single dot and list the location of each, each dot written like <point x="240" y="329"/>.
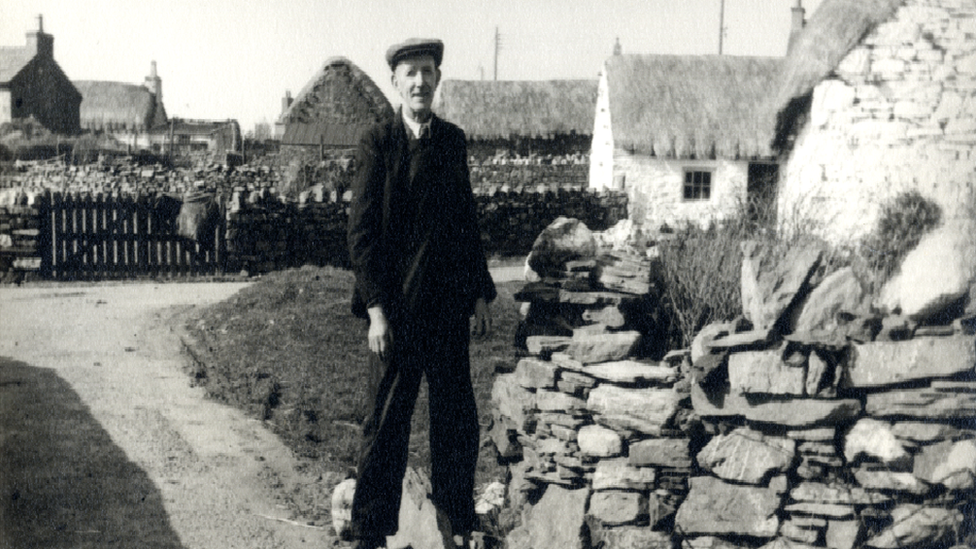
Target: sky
<point x="221" y="59"/>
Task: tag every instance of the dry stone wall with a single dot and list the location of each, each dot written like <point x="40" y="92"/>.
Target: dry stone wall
<point x="818" y="419"/>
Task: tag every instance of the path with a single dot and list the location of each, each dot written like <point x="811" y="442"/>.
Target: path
<point x="104" y="443"/>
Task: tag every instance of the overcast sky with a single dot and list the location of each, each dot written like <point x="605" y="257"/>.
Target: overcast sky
<point x="223" y="59"/>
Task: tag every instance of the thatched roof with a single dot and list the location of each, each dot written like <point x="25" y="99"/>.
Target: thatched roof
<point x="335" y="107"/>
<point x="708" y="106"/>
<point x="12" y="61"/>
<point x="831" y="33"/>
<point x="118" y="106"/>
<point x="504" y="109"/>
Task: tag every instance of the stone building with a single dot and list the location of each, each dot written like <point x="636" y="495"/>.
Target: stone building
<point x="322" y="124"/>
<point x="687" y="137"/>
<point x="878" y="99"/>
<point x="33" y="85"/>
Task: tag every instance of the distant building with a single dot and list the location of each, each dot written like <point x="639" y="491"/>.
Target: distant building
<point x="687" y="137"/>
<point x="33" y="85"/>
<point x="877" y="100"/>
<point x="321" y="126"/>
<point x="128" y="112"/>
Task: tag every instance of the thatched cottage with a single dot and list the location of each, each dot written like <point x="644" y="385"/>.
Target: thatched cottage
<point x="33" y="85"/>
<point x="878" y="99"/>
<point x="524" y="117"/>
<point x="687" y="137"/>
<point x="128" y="112"/>
<point x="322" y="124"/>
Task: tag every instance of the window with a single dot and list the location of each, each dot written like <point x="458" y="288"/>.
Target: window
<point x="698" y="185"/>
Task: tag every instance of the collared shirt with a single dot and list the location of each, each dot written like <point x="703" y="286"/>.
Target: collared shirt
<point x="417" y="130"/>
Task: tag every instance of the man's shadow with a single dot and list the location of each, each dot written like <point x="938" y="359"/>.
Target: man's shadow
<point x="63" y="482"/>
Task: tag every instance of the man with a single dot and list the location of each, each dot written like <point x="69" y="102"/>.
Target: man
<point x="421" y="275"/>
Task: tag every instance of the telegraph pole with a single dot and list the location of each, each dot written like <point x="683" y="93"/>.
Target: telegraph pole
<point x="721" y="25"/>
<point x="498" y="42"/>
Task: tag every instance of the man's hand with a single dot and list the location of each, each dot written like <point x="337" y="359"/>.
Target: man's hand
<point x="380" y="336"/>
<point x="482" y="319"/>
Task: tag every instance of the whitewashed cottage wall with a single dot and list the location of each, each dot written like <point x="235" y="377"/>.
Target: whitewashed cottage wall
<point x="655" y="189"/>
<point x="899" y="114"/>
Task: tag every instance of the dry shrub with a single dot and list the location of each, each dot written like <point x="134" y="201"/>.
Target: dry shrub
<point x="901" y="225"/>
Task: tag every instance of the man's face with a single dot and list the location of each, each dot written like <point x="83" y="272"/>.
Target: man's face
<point x="416" y="78"/>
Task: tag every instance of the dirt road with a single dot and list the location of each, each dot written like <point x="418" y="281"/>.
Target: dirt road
<point x="104" y="443"/>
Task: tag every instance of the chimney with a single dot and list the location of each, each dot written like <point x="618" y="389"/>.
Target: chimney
<point x="286" y="101"/>
<point x="154" y="83"/>
<point x="799" y="21"/>
<point x="38" y="43"/>
<point x="617" y="48"/>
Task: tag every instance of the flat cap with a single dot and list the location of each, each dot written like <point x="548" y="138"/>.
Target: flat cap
<point x="414" y="47"/>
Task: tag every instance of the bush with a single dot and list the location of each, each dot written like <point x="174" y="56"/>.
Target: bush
<point x="900" y="227"/>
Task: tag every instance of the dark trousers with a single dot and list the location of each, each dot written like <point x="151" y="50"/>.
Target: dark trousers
<point x="439" y="351"/>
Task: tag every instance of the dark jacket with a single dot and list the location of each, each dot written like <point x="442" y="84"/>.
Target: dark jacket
<point x="413" y="233"/>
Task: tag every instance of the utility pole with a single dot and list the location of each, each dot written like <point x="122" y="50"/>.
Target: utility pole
<point x="498" y="43"/>
<point x="721" y="25"/>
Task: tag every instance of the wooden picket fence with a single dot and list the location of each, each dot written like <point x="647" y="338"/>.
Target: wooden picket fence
<point x="114" y="237"/>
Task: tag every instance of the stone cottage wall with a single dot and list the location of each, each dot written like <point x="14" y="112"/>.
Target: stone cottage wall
<point x="899" y="115"/>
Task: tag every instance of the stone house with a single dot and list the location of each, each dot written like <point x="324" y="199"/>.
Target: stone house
<point x="878" y="99"/>
<point x="523" y="132"/>
<point x="322" y="124"/>
<point x="33" y="85"/>
<point x="687" y="137"/>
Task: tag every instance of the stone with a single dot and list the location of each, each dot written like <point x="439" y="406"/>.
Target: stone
<point x="892" y="362"/>
<point x="817" y="369"/>
<point x="701" y="343"/>
<point x="502" y="436"/>
<point x="421" y="524"/>
<point x="765" y="372"/>
<point x="642" y="410"/>
<point x="921" y="403"/>
<point x="800" y="412"/>
<point x="784" y="543"/>
<point x="917" y="431"/>
<point x="952" y="464"/>
<point x="817" y="434"/>
<point x="708" y="542"/>
<point x="632" y="538"/>
<point x="769" y="290"/>
<point x="533" y="373"/>
<point x="490" y="500"/>
<point x="555" y="522"/>
<point x="747" y="456"/>
<point x="843" y="494"/>
<point x="874" y="439"/>
<point x="592" y="349"/>
<point x="797" y="532"/>
<point x="575" y="383"/>
<point x="342" y="506"/>
<point x="717" y="403"/>
<point x="597" y="441"/>
<point x="840" y="291"/>
<point x="843" y="534"/>
<point x="615" y="507"/>
<point x="512" y="400"/>
<point x="630" y="372"/>
<point x="610" y="317"/>
<point x="543" y="344"/>
<point x="890" y="481"/>
<point x="936" y="274"/>
<point x="565" y="239"/>
<point x="717" y="508"/>
<point x="916" y="525"/>
<point x="660" y="452"/>
<point x="619" y="474"/>
<point x="831" y="510"/>
<point x="555" y="401"/>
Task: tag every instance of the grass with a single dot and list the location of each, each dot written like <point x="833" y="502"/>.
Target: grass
<point x="287" y="350"/>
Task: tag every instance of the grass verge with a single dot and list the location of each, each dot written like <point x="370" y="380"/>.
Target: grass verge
<point x="288" y="351"/>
